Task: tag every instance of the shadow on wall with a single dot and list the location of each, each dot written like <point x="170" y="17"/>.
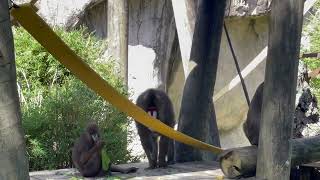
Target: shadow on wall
<point x="249" y="37"/>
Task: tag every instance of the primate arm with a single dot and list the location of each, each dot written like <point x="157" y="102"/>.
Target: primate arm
<point x="84" y="158"/>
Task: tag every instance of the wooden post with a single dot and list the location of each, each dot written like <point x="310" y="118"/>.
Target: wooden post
<point x="274" y="150"/>
<point x="241" y="162"/>
<point x="118" y="15"/>
<point x="311" y="55"/>
<point x="13" y="157"/>
<point x="196" y="107"/>
<point x="124" y="16"/>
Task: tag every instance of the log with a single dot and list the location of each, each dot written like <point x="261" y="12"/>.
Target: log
<point x="311" y="55"/>
<point x="305" y="150"/>
<point x="241" y="162"/>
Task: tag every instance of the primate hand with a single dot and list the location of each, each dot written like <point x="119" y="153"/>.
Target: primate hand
<point x="100" y="144"/>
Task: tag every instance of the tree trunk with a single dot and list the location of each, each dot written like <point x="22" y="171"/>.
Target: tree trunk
<point x="14" y="163"/>
<point x="124" y="22"/>
<point x="242" y="162"/>
<point x="197" y="107"/>
<point x="118" y="14"/>
<point x="274" y="150"/>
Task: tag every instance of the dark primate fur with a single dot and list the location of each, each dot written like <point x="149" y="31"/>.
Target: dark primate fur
<point x="157" y="154"/>
<point x="252" y="125"/>
<point x="86" y="154"/>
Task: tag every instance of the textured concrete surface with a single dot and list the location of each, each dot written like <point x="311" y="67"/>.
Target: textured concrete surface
<point x="249" y="36"/>
<point x="186" y="171"/>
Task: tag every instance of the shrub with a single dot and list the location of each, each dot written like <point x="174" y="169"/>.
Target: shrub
<point x="311" y="30"/>
<point x="56" y="106"/>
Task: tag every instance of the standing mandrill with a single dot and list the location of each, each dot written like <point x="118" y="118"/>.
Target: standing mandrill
<point x="156" y="147"/>
<point x="87" y="158"/>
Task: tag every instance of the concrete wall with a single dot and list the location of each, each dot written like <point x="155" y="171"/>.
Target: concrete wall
<point x="150" y="46"/>
<point x="249" y="37"/>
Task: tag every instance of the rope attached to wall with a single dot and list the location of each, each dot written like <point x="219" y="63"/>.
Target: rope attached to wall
<point x="237" y="65"/>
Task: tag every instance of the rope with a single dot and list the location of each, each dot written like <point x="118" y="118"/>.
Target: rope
<point x="237" y="65"/>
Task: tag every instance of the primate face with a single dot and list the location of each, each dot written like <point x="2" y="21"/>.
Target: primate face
<point x="95" y="137"/>
<point x="152" y="111"/>
<point x="93" y="131"/>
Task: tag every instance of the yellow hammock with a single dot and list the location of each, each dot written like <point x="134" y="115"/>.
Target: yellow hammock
<point x="40" y="30"/>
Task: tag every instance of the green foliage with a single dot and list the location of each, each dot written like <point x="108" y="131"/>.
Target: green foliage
<point x="56" y="106"/>
<point x="312" y="31"/>
<point x="35" y="63"/>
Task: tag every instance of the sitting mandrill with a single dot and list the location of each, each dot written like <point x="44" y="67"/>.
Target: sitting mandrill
<point x="156" y="147"/>
<point x="87" y="158"/>
<point x="252" y="125"/>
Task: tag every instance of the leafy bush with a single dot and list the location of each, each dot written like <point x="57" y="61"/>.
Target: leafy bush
<point x="56" y="106"/>
<point x="311" y="30"/>
<point x="36" y="64"/>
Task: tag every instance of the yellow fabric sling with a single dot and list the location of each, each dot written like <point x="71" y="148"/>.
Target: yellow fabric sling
<point x="39" y="29"/>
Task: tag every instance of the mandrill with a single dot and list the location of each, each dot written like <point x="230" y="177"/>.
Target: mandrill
<point x="159" y="149"/>
<point x="87" y="155"/>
